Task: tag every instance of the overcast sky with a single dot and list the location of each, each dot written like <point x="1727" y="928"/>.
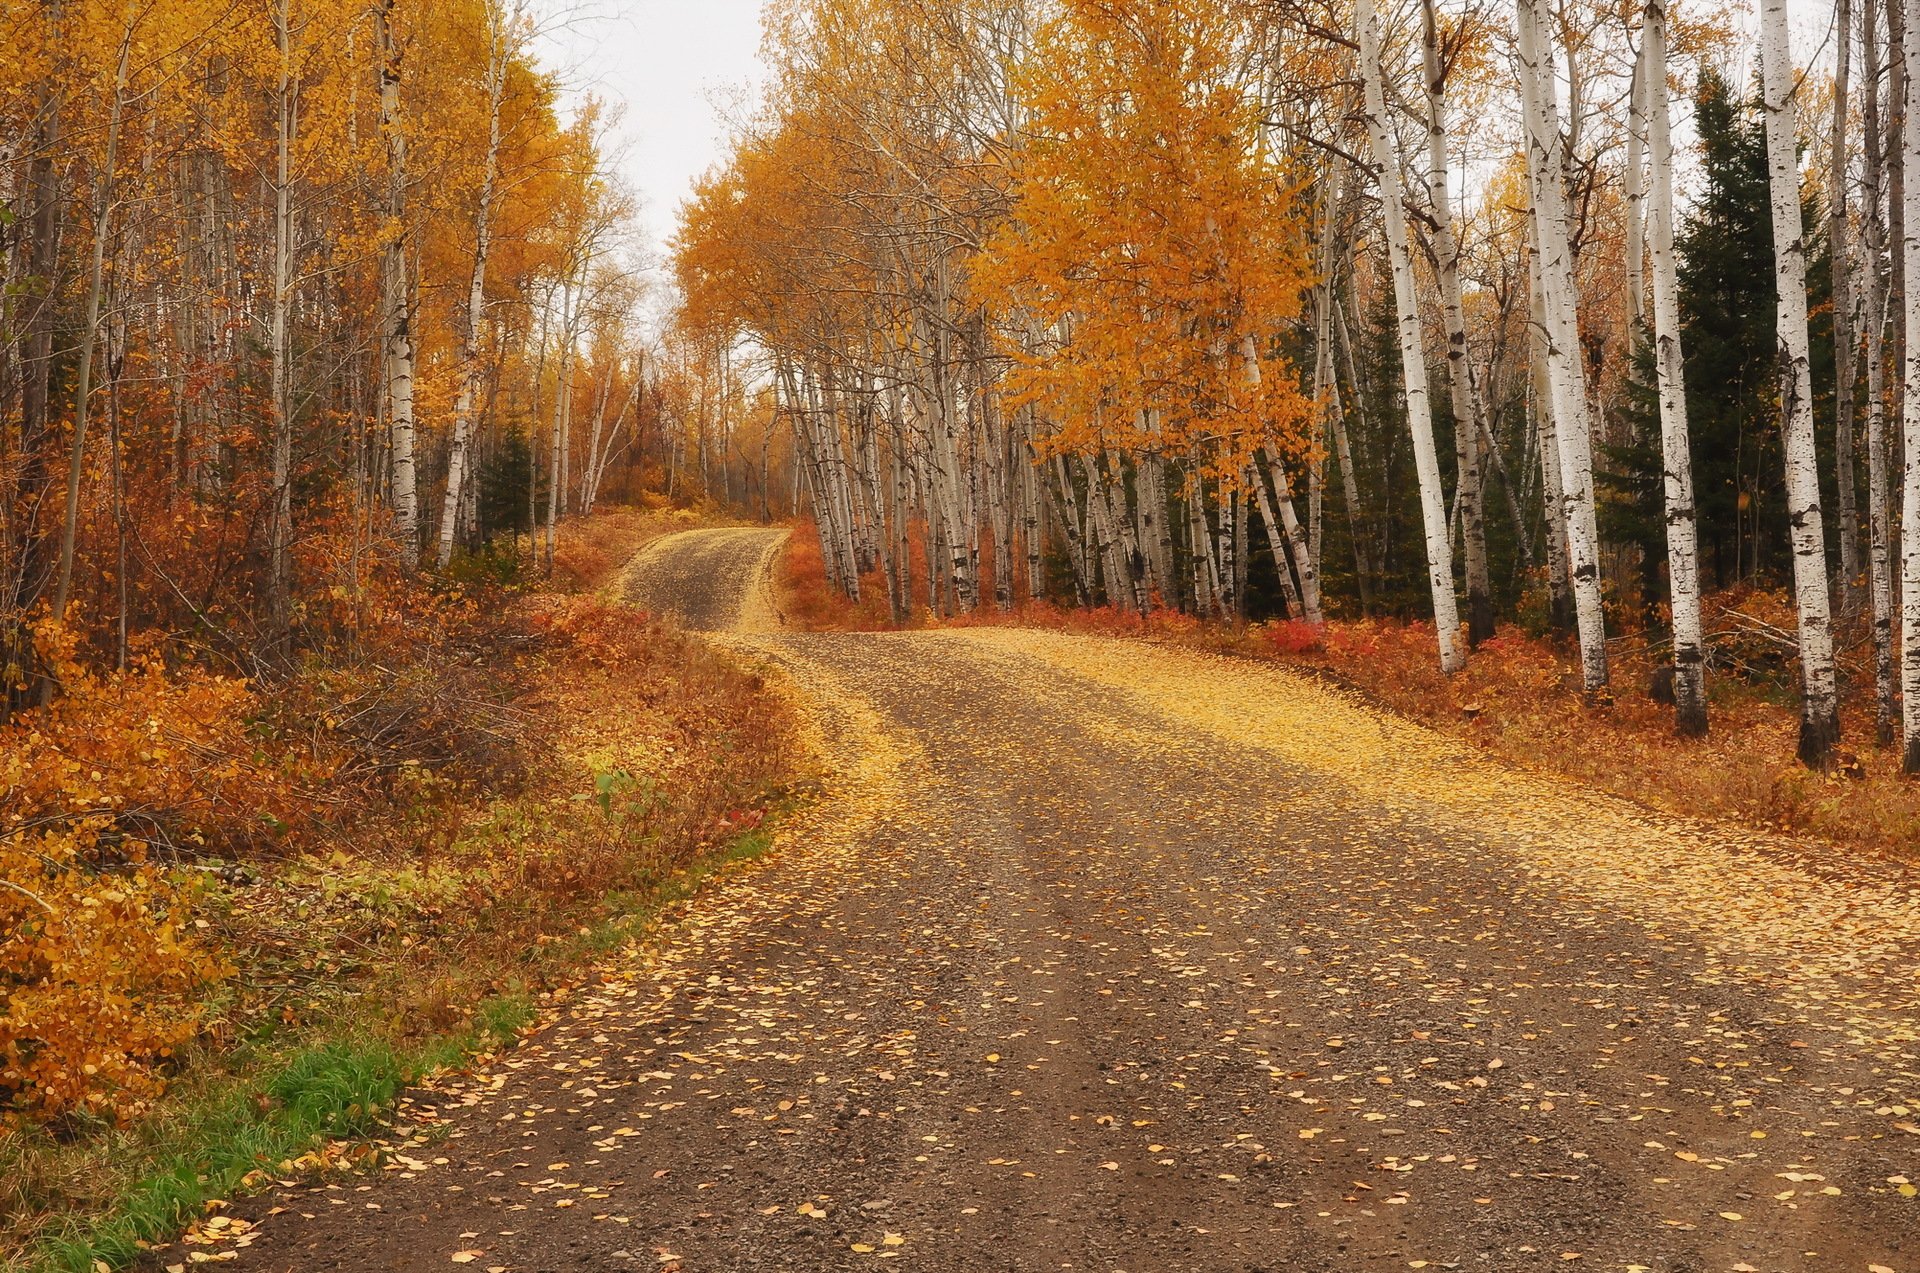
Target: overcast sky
<point x="672" y="68"/>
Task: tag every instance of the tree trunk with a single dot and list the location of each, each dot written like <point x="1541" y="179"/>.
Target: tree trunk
<point x="1879" y="468"/>
<point x="280" y="522"/>
<point x="398" y="300"/>
<point x="1910" y="415"/>
<point x="103" y="195"/>
<point x="1469" y="488"/>
<point x="1843" y="333"/>
<point x="1566" y="375"/>
<point x="1820" y="709"/>
<point x="1683" y="562"/>
<point x="1638" y="89"/>
<point x="470" y="362"/>
<point x="1413" y="362"/>
<point x="1547" y="439"/>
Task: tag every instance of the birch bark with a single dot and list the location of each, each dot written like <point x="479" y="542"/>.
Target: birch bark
<point x="103" y="203"/>
<point x="1910" y="404"/>
<point x="1469" y="486"/>
<point x="398" y="303"/>
<point x="498" y="26"/>
<point x="1637" y="126"/>
<point x="1843" y="312"/>
<point x="1879" y="469"/>
<point x="1683" y="564"/>
<point x="1566" y="376"/>
<point x="1820" y="710"/>
<point x="280" y="521"/>
<point x="1413" y="362"/>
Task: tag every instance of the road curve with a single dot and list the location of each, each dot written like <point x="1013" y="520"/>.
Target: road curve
<point x="706" y="580"/>
<point x="1100" y="955"/>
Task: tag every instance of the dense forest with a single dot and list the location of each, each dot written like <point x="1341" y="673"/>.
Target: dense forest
<point x="1454" y="312"/>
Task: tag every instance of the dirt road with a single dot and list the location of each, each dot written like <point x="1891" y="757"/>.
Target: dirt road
<point x="1104" y="956"/>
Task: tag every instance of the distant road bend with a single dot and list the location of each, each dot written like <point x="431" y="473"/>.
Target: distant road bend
<point x="1100" y="955"/>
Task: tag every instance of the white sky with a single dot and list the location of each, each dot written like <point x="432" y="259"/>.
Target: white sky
<point x="672" y="68"/>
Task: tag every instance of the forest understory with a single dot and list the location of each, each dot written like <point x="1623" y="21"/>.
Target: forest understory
<point x="335" y="884"/>
<point x="1520" y="697"/>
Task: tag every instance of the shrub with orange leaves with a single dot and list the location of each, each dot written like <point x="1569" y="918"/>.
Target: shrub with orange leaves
<point x="100" y="975"/>
<point x="100" y="978"/>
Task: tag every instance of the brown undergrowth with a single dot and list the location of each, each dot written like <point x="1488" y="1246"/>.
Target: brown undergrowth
<point x="1519" y="699"/>
<point x="361" y="855"/>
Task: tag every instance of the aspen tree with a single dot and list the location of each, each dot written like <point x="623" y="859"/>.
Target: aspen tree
<point x="1683" y="566"/>
<point x="398" y="297"/>
<point x="1413" y="362"/>
<point x="1565" y="374"/>
<point x="1466" y="400"/>
<point x="280" y="521"/>
<point x="103" y="208"/>
<point x="1844" y="348"/>
<point x="1909" y="232"/>
<point x="1820" y="709"/>
<point x="1637" y="125"/>
<point x="1879" y="466"/>
<point x="500" y="23"/>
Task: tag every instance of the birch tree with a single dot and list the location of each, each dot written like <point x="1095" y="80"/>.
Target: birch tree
<point x="397" y="298"/>
<point x="1820" y="709"/>
<point x="1467" y="425"/>
<point x="1879" y="465"/>
<point x="1413" y="358"/>
<point x="1566" y="377"/>
<point x="501" y="22"/>
<point x="1843" y="311"/>
<point x="1683" y="565"/>
<point x="1909" y="203"/>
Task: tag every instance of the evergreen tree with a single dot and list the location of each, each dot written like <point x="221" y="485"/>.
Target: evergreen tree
<point x="503" y="486"/>
<point x="1726" y="313"/>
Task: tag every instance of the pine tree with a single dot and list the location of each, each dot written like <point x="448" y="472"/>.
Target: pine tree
<point x="1727" y="323"/>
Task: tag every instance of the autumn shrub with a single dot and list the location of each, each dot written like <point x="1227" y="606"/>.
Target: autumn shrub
<point x="1295" y="636"/>
<point x="809" y="601"/>
<point x="102" y="975"/>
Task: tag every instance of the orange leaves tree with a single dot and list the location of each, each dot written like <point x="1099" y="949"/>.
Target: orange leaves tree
<point x="1155" y="251"/>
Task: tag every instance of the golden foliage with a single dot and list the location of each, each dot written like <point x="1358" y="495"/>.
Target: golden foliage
<point x="101" y="977"/>
<point x="1155" y="243"/>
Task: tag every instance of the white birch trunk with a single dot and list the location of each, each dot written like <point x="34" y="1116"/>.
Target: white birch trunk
<point x="398" y="301"/>
<point x="280" y="523"/>
<point x="1820" y="710"/>
<point x="470" y="363"/>
<point x="1909" y="204"/>
<point x="1683" y="562"/>
<point x="1879" y="468"/>
<point x="1546" y="439"/>
<point x="1413" y="360"/>
<point x="1469" y="487"/>
<point x="1637" y="109"/>
<point x="1843" y="312"/>
<point x="103" y="200"/>
<point x="1566" y="375"/>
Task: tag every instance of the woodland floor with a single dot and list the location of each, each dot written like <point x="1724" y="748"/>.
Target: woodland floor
<point x="1103" y="955"/>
